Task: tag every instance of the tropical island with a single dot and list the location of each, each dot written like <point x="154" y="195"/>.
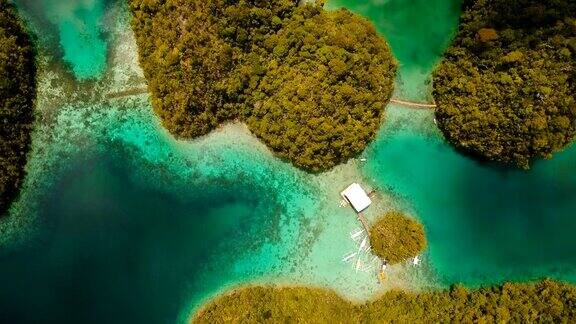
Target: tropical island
<point x="17" y="93"/>
<point x="396" y="237"/>
<point x="545" y="301"/>
<point x="506" y="88"/>
<point x="311" y="84"/>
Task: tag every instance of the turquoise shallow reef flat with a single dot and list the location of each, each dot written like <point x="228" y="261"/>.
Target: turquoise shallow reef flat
<point x="80" y="35"/>
<point x="78" y="25"/>
<point x="118" y="222"/>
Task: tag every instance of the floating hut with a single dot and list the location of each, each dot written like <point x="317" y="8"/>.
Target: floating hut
<point x="357" y="197"/>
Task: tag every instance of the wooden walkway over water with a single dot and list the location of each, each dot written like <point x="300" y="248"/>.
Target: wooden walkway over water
<point x="411" y="104"/>
<point x="359" y="215"/>
<point x="364" y="222"/>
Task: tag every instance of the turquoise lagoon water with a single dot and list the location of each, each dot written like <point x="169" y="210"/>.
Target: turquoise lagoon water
<point x="485" y="224"/>
<point x="121" y="223"/>
<point x="78" y="26"/>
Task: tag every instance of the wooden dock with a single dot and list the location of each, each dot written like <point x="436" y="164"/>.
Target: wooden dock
<point x="414" y="104"/>
<point x="364" y="222"/>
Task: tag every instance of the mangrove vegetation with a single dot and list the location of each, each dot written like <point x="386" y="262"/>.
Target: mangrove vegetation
<point x="17" y="93"/>
<point x="506" y="88"/>
<point x="396" y="237"/>
<point x="311" y="84"/>
<point x="546" y="301"/>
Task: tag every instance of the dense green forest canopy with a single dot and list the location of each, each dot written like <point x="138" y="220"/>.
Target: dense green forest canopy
<point x="546" y="301"/>
<point x="395" y="237"/>
<point x="506" y="89"/>
<point x="311" y="84"/>
<point x="17" y="93"/>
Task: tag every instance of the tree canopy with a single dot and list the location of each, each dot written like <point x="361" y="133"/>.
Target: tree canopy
<point x="395" y="237"/>
<point x="311" y="84"/>
<point x="17" y="93"/>
<point x="506" y="88"/>
<point x="545" y="301"/>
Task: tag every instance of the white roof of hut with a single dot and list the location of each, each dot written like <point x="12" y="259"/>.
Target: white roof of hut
<point x="357" y="197"/>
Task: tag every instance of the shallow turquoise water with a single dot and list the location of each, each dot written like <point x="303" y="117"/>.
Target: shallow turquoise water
<point x="78" y="27"/>
<point x="81" y="39"/>
<point x="135" y="227"/>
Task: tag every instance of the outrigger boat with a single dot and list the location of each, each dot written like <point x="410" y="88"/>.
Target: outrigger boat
<point x="349" y="257"/>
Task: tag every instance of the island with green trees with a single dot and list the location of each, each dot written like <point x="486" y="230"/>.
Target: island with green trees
<point x="395" y="237"/>
<point x="311" y="84"/>
<point x="17" y="93"/>
<point x="506" y="88"/>
<point x="544" y="302"/>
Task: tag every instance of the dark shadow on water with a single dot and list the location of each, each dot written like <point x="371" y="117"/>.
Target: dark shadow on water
<point x="119" y="251"/>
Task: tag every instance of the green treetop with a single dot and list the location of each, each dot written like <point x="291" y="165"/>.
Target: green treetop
<point x="506" y="88"/>
<point x="546" y="301"/>
<point x="395" y="237"/>
<point x="17" y="93"/>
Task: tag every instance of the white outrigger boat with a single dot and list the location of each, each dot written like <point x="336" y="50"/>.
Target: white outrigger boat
<point x="355" y="235"/>
<point x="347" y="258"/>
<point x="364" y="246"/>
<point x="358" y="265"/>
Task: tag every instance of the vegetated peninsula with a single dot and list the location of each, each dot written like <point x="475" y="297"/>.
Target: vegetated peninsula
<point x="546" y="301"/>
<point x="17" y="94"/>
<point x="506" y="88"/>
<point x="311" y="84"/>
